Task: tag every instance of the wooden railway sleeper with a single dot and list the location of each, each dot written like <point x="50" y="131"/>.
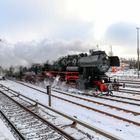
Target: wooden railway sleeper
<point x="20" y="136"/>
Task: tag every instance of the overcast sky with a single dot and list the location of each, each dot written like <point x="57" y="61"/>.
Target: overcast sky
<point x="33" y="31"/>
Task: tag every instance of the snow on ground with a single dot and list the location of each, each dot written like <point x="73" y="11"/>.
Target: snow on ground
<point x="122" y="129"/>
<point x="5" y="133"/>
<point x="127" y="74"/>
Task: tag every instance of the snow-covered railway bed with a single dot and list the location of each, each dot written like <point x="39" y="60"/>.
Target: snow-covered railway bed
<point x="115" y="126"/>
<point x="98" y="106"/>
<point x="130" y="83"/>
<point x="67" y="123"/>
<point x="90" y="104"/>
<point x="5" y="133"/>
<point x="129" y="91"/>
<point x="26" y="123"/>
<point x="117" y="97"/>
<point x="122" y="99"/>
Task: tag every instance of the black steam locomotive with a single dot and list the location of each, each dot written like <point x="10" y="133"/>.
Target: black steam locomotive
<point x="97" y="62"/>
<point x="87" y="70"/>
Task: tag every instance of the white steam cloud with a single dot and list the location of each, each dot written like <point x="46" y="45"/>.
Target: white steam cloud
<point x="26" y="53"/>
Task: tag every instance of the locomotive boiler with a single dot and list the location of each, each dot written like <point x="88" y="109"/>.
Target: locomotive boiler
<point x="96" y="63"/>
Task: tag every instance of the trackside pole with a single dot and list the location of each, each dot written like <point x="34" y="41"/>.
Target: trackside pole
<point x="49" y="95"/>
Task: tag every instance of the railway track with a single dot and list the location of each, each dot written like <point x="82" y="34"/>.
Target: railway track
<point x="94" y="109"/>
<point x="101" y="97"/>
<point x="121" y="101"/>
<point x="13" y="129"/>
<point x="130" y="83"/>
<point x="100" y="103"/>
<point x="122" y="97"/>
<point x="97" y="130"/>
<point x="27" y="124"/>
<point x="117" y="98"/>
<point x="129" y="91"/>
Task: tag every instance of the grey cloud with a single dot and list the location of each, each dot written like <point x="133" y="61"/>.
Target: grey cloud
<point x="122" y="34"/>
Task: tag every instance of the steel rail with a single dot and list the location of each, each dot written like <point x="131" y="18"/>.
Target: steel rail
<point x="129" y="82"/>
<point x="20" y="136"/>
<point x="118" y="101"/>
<point x="93" y="109"/>
<point x="133" y="92"/>
<point x="80" y="122"/>
<point x="96" y="102"/>
<point x="96" y="110"/>
<point x="133" y="112"/>
<point x="129" y="90"/>
<point x="66" y="135"/>
<point x="102" y="112"/>
<point x="133" y="99"/>
<point x="85" y="94"/>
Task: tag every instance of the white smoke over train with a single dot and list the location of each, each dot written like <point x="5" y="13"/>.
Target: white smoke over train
<point x="26" y="53"/>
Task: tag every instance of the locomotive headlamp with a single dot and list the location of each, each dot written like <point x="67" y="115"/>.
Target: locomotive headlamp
<point x="103" y="81"/>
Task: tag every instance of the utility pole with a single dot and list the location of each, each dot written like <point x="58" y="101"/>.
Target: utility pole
<point x="138" y="48"/>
